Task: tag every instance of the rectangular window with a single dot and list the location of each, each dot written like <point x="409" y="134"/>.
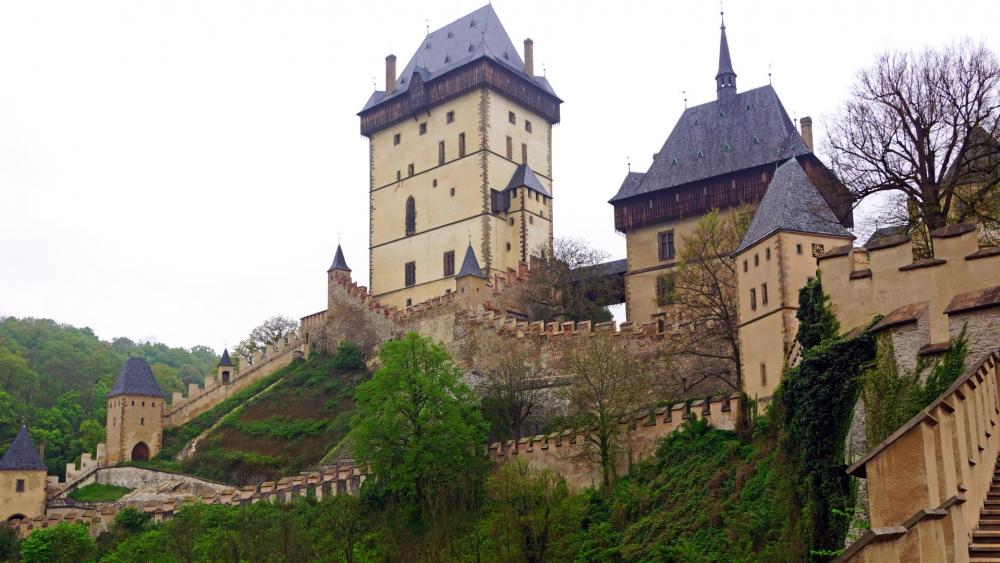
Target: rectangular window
<point x="450" y="117"/>
<point x="763" y="294"/>
<point x="511" y="117"/>
<point x="756" y="260"/>
<point x="461" y="145"/>
<point x="19" y="486"/>
<point x="399" y="175"/>
<point x="527" y="126"/>
<point x="745" y="265"/>
<point x="767" y="254"/>
<point x="666" y="245"/>
<point x="798" y="249"/>
<point x="449" y="263"/>
<point x="409" y="170"/>
<point x="664" y="289"/>
<point x="524" y="153"/>
<point x="763" y="375"/>
<point x="410" y="272"/>
<point x="423" y="128"/>
<point x="753" y="299"/>
<point x="395" y="139"/>
<point x="441" y="152"/>
<point x="510" y="148"/>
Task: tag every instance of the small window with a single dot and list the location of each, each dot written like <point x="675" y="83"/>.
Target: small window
<point x="524" y="153"/>
<point x="508" y="247"/>
<point x="756" y="140"/>
<point x="142" y="422"/>
<point x="660" y="326"/>
<point x="763" y="375"/>
<point x="410" y="170"/>
<point x="510" y="148"/>
<point x="434" y="183"/>
<point x="410" y="274"/>
<point x="527" y="126"/>
<point x="511" y="117"/>
<point x="440" y="153"/>
<point x="753" y="299"/>
<point x="451" y="192"/>
<point x="763" y="294"/>
<point x="19" y="486"/>
<point x="745" y="265"/>
<point x="767" y="254"/>
<point x="133" y="403"/>
<point x="395" y="139"/>
<point x="409" y="302"/>
<point x="665" y="289"/>
<point x="144" y="403"/>
<point x="531" y="219"/>
<point x="511" y="221"/>
<point x="798" y="248"/>
<point x="666" y="245"/>
<point x="411" y="216"/>
<point x="450" y="117"/>
<point x="756" y="260"/>
<point x="449" y="263"/>
<point x="423" y="128"/>
<point x="461" y="145"/>
<point x="399" y="175"/>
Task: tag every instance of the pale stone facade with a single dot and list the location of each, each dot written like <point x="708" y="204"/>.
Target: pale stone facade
<point x="22" y="480"/>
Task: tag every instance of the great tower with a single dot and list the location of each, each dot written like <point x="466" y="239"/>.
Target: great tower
<point x="460" y="153"/>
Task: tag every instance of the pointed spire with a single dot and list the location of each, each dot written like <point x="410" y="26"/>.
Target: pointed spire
<point x="725" y="79"/>
<point x="338" y="261"/>
<point x="136" y="378"/>
<point x="22" y="455"/>
<point x="470" y="266"/>
<point x="225" y="360"/>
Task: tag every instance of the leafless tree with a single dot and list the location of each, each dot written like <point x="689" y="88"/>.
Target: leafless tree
<point x="558" y="286"/>
<point x="924" y="125"/>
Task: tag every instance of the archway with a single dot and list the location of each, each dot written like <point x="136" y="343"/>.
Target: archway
<point x="140" y="452"/>
<point x="17" y="517"/>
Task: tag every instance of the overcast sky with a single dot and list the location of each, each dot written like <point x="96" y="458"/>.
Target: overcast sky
<point x="180" y="170"/>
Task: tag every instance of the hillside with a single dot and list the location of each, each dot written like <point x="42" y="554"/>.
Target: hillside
<point x="54" y="378"/>
<point x="286" y="429"/>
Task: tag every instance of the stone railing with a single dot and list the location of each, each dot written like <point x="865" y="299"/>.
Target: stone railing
<point x="928" y="481"/>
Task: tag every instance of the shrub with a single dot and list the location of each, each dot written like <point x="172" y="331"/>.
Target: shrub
<point x="348" y="357"/>
<point x="62" y="543"/>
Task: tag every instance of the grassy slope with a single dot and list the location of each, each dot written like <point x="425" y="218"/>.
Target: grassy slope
<point x="283" y="431"/>
<point x="96" y="492"/>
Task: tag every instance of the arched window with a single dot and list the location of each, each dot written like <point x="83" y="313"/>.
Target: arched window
<point x="411" y="216"/>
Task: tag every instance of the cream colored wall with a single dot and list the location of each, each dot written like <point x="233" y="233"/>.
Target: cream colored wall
<point x="131" y="420"/>
<point x="30" y="503"/>
<point x="642" y="251"/>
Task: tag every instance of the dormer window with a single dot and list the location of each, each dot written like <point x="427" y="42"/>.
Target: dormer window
<point x="472" y="23"/>
<point x="450" y="34"/>
<point x="749" y="106"/>
<point x="471" y="48"/>
<point x="727" y="147"/>
<point x="674" y="161"/>
<point x="427" y="45"/>
<point x="506" y="56"/>
<point x="722" y="114"/>
<point x="447" y="59"/>
<point x="697" y="121"/>
<point x="701" y="154"/>
<point x="756" y="140"/>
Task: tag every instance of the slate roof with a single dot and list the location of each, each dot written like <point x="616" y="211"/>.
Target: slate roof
<point x="470" y="266"/>
<point x="792" y="203"/>
<point x="136" y="378"/>
<point x="225" y="360"/>
<point x="525" y="177"/>
<point x="725" y="61"/>
<point x="747" y="130"/>
<point x="22" y="455"/>
<point x="338" y="261"/>
<point x="475" y="36"/>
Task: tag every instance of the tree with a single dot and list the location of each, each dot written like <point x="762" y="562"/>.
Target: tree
<point x="245" y="350"/>
<point x="703" y="299"/>
<point x="509" y="376"/>
<point x="416" y="425"/>
<point x="273" y="330"/>
<point x="62" y="543"/>
<point x="348" y="357"/>
<point x="562" y="283"/>
<point x="816" y="320"/>
<point x="923" y="125"/>
<point x="340" y="522"/>
<point x="607" y="381"/>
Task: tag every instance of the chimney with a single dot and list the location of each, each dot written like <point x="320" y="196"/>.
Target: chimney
<point x="529" y="57"/>
<point x="806" y="123"/>
<point x="390" y="74"/>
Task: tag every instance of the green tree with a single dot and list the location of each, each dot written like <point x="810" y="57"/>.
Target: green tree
<point x="347" y="357"/>
<point x="153" y="546"/>
<point x="62" y="543"/>
<point x="816" y="320"/>
<point x="417" y="427"/>
<point x="9" y="543"/>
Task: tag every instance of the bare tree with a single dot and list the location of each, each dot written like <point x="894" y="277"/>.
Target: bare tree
<point x="561" y="284"/>
<point x="273" y="330"/>
<point x="608" y="381"/>
<point x="702" y="298"/>
<point x="925" y="125"/>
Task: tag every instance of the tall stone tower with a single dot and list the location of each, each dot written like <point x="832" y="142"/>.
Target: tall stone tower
<point x="777" y="256"/>
<point x="460" y="146"/>
<point x="135" y="414"/>
<point x="22" y="480"/>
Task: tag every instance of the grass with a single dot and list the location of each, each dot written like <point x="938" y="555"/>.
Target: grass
<point x="96" y="492"/>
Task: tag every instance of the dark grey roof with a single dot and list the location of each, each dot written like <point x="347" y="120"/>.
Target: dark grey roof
<point x="525" y="177"/>
<point x="470" y="266"/>
<point x="747" y="130"/>
<point x="225" y="360"/>
<point x="725" y="61"/>
<point x="136" y="378"/>
<point x="338" y="261"/>
<point x="792" y="203"/>
<point x="475" y="36"/>
<point x="884" y="233"/>
<point x="22" y="455"/>
<point x="610" y="268"/>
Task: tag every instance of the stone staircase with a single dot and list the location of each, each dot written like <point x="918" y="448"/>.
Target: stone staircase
<point x="985" y="546"/>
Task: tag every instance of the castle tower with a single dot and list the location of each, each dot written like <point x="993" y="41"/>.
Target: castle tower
<point x="135" y="414"/>
<point x="338" y="273"/>
<point x="22" y="480"/>
<point x="777" y="256"/>
<point x="225" y="368"/>
<point x="460" y="145"/>
<point x="470" y="283"/>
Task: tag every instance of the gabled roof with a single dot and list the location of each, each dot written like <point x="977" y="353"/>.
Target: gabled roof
<point x="470" y="266"/>
<point x="22" y="455"/>
<point x="338" y="261"/>
<point x="792" y="203"/>
<point x="749" y="129"/>
<point x="136" y="378"/>
<point x="525" y="177"/>
<point x="475" y="36"/>
<point x="225" y="360"/>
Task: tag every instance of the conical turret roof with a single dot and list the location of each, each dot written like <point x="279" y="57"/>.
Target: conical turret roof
<point x="225" y="360"/>
<point x="338" y="261"/>
<point x="22" y="455"/>
<point x="470" y="266"/>
<point x="136" y="378"/>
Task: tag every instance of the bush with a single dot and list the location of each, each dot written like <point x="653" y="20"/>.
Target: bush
<point x="62" y="543"/>
<point x="348" y="357"/>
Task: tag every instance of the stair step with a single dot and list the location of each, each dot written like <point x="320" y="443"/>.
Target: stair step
<point x="977" y="550"/>
<point x="987" y="537"/>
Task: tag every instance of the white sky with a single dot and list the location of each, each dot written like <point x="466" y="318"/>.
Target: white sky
<point x="180" y="170"/>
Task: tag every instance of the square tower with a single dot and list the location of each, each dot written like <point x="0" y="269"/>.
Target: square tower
<point x="460" y="151"/>
<point x="135" y="414"/>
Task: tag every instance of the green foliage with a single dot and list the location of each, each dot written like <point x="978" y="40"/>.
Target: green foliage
<point x="62" y="543"/>
<point x="96" y="492"/>
<point x="280" y="427"/>
<point x="348" y="357"/>
<point x="816" y="320"/>
<point x="10" y="544"/>
<point x="417" y="426"/>
<point x="131" y="520"/>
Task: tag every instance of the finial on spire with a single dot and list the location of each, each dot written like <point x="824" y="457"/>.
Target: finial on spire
<point x="628" y="162"/>
<point x="685" y="94"/>
<point x="427" y="25"/>
<point x="722" y="14"/>
<point x="769" y="73"/>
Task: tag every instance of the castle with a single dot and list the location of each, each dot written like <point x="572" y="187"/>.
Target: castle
<point x="461" y="198"/>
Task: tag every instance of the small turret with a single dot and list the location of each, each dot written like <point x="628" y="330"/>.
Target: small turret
<point x="339" y="267"/>
<point x="470" y="282"/>
<point x="225" y="367"/>
<point x="22" y="480"/>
